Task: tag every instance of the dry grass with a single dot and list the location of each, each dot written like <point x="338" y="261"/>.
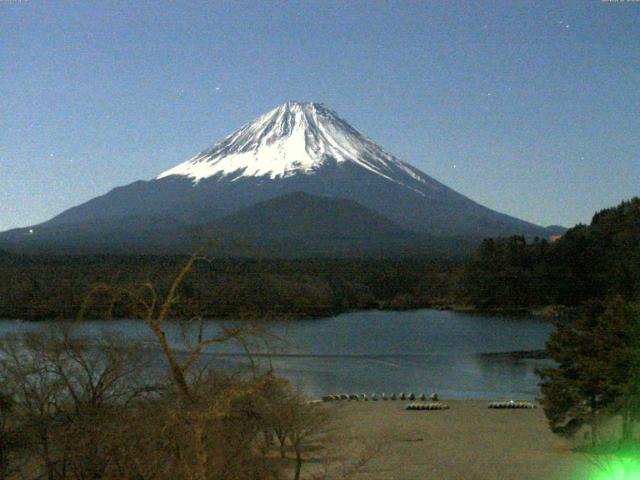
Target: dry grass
<point x="467" y="442"/>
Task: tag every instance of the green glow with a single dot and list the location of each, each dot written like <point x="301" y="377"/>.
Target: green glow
<point x="617" y="468"/>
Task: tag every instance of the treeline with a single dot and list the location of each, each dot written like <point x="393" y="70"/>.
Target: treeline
<point x="588" y="262"/>
<point x="51" y="287"/>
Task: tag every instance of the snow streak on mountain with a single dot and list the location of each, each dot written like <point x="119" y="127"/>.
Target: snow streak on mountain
<point x="294" y="138"/>
<point x="298" y="176"/>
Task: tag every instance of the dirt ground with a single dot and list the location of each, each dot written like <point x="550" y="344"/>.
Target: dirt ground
<point x="467" y="442"/>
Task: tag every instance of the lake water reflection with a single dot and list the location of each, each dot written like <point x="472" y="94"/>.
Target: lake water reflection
<point x="373" y="351"/>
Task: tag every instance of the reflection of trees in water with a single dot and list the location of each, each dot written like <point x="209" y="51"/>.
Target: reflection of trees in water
<point x="504" y="373"/>
<point x="462" y="375"/>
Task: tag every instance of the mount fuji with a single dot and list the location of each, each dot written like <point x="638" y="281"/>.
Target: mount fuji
<point x="302" y="158"/>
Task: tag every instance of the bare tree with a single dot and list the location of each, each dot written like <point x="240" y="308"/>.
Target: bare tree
<point x="91" y="412"/>
<point x="68" y="395"/>
<point x="146" y="303"/>
<point x="307" y="423"/>
<point x="37" y="396"/>
<point x="9" y="437"/>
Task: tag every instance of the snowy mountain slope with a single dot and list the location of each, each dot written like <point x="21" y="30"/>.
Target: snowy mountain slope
<point x="294" y="138"/>
<point x="297" y="147"/>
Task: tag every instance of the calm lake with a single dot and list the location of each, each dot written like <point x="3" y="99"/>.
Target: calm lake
<point x="364" y="352"/>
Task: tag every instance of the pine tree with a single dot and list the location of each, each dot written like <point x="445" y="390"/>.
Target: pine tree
<point x="598" y="368"/>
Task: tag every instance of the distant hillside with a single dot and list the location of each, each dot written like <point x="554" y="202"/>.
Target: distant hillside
<point x="296" y="225"/>
<point x="133" y="234"/>
<point x="587" y="262"/>
<point x="303" y="225"/>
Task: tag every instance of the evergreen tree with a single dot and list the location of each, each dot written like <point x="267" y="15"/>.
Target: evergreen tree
<point x="598" y="368"/>
<point x="623" y="320"/>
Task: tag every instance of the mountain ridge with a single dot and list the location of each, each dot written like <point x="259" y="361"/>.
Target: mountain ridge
<point x="296" y="147"/>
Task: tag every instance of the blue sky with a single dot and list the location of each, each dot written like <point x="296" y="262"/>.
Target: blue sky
<point x="530" y="108"/>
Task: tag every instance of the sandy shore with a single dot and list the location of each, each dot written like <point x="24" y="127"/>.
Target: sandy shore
<point x="467" y="442"/>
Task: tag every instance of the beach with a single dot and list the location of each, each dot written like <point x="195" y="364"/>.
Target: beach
<point x="466" y="442"/>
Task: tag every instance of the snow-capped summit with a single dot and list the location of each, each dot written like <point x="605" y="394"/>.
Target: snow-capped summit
<point x="294" y="150"/>
<point x="294" y="138"/>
